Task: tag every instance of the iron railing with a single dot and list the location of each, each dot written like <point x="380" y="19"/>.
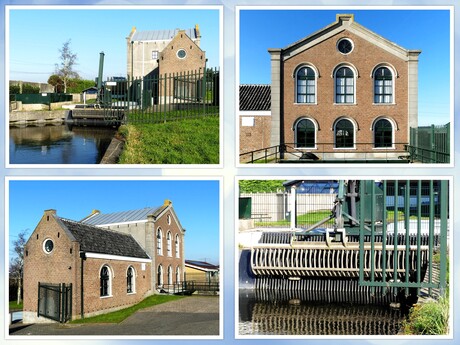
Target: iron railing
<point x="430" y="144"/>
<point x="416" y="258"/>
<point x="161" y="98"/>
<point x="328" y="153"/>
<point x="189" y="287"/>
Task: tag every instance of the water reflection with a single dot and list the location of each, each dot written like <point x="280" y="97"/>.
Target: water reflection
<point x="297" y="317"/>
<point x="58" y="144"/>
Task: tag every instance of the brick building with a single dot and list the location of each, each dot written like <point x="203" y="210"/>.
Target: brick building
<point x="158" y="52"/>
<point x="343" y="92"/>
<point x="112" y="260"/>
<point x="254" y="117"/>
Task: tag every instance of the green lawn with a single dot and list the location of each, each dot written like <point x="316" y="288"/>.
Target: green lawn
<point x="120" y="315"/>
<point x="13" y="305"/>
<point x="193" y="141"/>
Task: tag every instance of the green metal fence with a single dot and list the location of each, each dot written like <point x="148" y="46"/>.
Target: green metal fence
<point x="161" y="98"/>
<point x="420" y="223"/>
<point x="430" y="144"/>
<point x="42" y="98"/>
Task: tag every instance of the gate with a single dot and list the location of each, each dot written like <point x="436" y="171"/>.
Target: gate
<point x="55" y="301"/>
<point x="417" y="219"/>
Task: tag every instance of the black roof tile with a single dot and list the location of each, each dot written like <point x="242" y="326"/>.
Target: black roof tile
<point x="102" y="241"/>
<point x="255" y="97"/>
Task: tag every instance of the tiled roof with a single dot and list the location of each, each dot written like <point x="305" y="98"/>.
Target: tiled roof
<point x="255" y="97"/>
<point x="161" y="35"/>
<point x="101" y="241"/>
<point x="122" y="217"/>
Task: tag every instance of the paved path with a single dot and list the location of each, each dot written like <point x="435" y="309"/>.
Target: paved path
<point x="195" y="315"/>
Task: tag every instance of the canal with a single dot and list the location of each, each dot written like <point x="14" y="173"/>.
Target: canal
<point x="299" y="317"/>
<point x="58" y="144"/>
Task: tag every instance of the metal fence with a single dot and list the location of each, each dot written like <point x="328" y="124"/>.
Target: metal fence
<point x="41" y="98"/>
<point x="161" y="98"/>
<point x="413" y="256"/>
<point x="430" y="144"/>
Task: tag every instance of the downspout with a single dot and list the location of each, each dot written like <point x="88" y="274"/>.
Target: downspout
<point x="83" y="258"/>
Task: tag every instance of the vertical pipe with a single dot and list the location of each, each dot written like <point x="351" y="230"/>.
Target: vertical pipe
<point x="419" y="232"/>
<point x="384" y="232"/>
<point x="395" y="240"/>
<point x="361" y="234"/>
<point x="431" y="236"/>
<point x="407" y="235"/>
<point x="373" y="205"/>
<point x="443" y="199"/>
<point x="293" y="208"/>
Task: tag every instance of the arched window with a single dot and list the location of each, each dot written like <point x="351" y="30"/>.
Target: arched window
<point x="177" y="246"/>
<point x="160" y="275"/>
<point x="344" y="134"/>
<point x="383" y="85"/>
<point x="159" y="242"/>
<point x="305" y="134"/>
<point x="344" y="85"/>
<point x="105" y="281"/>
<point x="170" y="275"/>
<point x="130" y="280"/>
<point x="383" y="134"/>
<point x="178" y="280"/>
<point x="168" y="244"/>
<point x="306" y="85"/>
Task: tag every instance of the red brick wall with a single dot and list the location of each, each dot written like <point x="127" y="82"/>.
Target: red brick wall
<point x="171" y="63"/>
<point x="120" y="298"/>
<point x="63" y="265"/>
<point x="59" y="266"/>
<point x="164" y="259"/>
<point x="255" y="137"/>
<point x="365" y="57"/>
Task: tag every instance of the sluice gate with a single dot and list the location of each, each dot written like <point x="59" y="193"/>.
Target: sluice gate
<point x="375" y="252"/>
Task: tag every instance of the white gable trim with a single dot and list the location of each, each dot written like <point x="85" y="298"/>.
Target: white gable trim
<point x="115" y="257"/>
<point x="352" y="27"/>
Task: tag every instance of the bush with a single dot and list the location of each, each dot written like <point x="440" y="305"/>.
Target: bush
<point x="15" y="89"/>
<point x="78" y="85"/>
<point x="30" y="89"/>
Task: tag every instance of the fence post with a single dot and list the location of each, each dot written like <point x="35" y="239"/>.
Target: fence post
<point x="444" y="200"/>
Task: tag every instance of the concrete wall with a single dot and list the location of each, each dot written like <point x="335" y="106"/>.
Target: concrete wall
<point x="45" y="116"/>
<point x="44" y="87"/>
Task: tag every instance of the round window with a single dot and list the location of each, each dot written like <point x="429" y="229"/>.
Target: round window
<point x="48" y="246"/>
<point x="345" y="46"/>
<point x="181" y="53"/>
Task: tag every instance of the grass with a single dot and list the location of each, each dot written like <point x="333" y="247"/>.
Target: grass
<point x="13" y="305"/>
<point x="120" y="315"/>
<point x="430" y="318"/>
<point x="309" y="218"/>
<point x="191" y="141"/>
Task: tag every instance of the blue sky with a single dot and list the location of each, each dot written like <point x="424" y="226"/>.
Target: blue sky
<point x="263" y="29"/>
<point x="196" y="203"/>
<point x="36" y="35"/>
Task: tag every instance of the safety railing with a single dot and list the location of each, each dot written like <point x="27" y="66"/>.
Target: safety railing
<point x="412" y="221"/>
<point x="328" y="153"/>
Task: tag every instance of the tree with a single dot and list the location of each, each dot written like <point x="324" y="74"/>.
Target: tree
<point x="17" y="263"/>
<point x="57" y="82"/>
<point x="261" y="186"/>
<point x="65" y="70"/>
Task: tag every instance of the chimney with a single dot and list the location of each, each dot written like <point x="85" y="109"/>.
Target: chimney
<point x="49" y="214"/>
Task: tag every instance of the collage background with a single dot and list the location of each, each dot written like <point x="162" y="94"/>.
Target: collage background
<point x="230" y="170"/>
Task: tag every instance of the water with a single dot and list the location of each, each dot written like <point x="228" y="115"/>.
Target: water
<point x="295" y="317"/>
<point x="59" y="144"/>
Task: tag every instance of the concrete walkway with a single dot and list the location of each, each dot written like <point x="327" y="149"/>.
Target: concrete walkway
<point x="194" y="315"/>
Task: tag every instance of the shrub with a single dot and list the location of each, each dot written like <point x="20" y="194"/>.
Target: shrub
<point x="29" y="89"/>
